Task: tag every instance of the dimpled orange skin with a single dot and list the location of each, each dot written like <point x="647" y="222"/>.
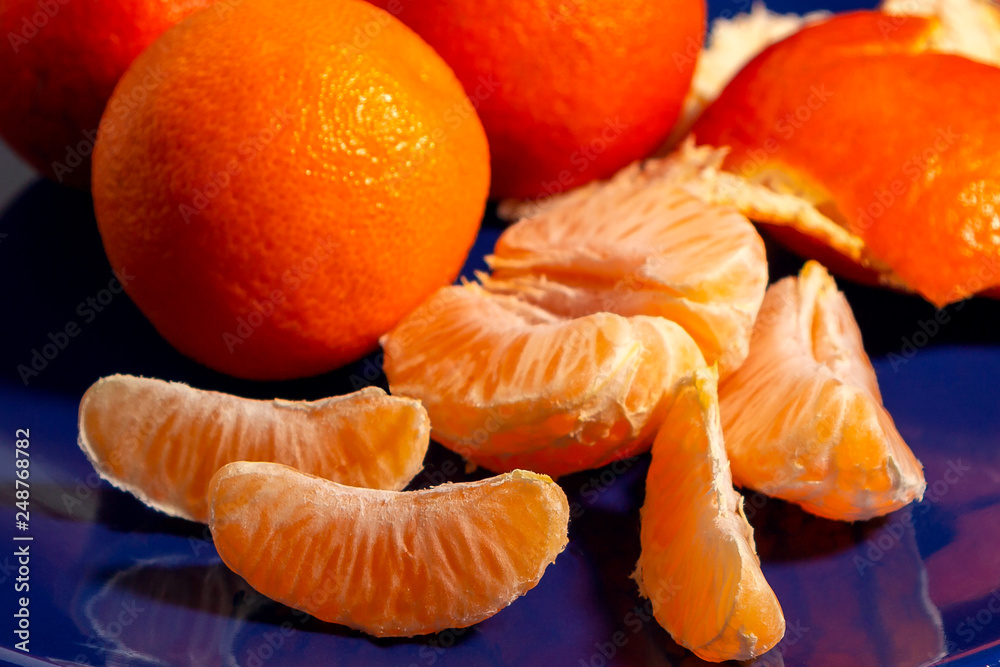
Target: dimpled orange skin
<point x="568" y="91"/>
<point x="284" y="197"/>
<point x="905" y="142"/>
<point x="60" y="62"/>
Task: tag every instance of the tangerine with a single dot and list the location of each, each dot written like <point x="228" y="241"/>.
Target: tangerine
<point x="284" y="197"/>
<point x="62" y="65"/>
<point x="894" y="142"/>
<point x="568" y="92"/>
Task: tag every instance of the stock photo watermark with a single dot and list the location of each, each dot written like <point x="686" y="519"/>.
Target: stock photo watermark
<point x="246" y="152"/>
<point x="45" y="11"/>
<point x="893" y="532"/>
<point x="22" y="539"/>
<point x="57" y="341"/>
<point x="291" y="279"/>
<point x="117" y="112"/>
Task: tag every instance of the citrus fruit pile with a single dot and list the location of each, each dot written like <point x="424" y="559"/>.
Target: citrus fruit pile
<point x="536" y="370"/>
<point x="800" y="418"/>
<point x="294" y="183"/>
<point x="589" y="342"/>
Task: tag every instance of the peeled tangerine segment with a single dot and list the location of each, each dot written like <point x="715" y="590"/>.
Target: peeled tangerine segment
<point x="698" y="564"/>
<point x="509" y="385"/>
<point x="163" y="441"/>
<point x="393" y="564"/>
<point x="803" y="416"/>
<point x="640" y="245"/>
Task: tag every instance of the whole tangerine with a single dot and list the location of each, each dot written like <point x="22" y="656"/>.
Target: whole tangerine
<point x="285" y="195"/>
<point x="568" y="92"/>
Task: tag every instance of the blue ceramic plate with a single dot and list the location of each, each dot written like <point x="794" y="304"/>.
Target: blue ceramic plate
<point x="111" y="582"/>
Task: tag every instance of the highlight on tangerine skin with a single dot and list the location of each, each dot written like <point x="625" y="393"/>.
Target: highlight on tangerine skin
<point x="803" y="417"/>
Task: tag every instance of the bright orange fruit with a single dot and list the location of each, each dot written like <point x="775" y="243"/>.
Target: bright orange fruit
<point x="390" y="564"/>
<point x="733" y="41"/>
<point x="284" y="196"/>
<point x="568" y="92"/>
<point x="639" y="244"/>
<point x="508" y="384"/>
<point x="803" y="416"/>
<point x="892" y="142"/>
<point x="163" y="441"/>
<point x="699" y="564"/>
<point x="58" y="67"/>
